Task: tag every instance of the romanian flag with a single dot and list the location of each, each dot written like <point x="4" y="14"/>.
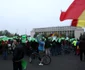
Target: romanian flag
<point x="75" y="11"/>
<point x="78" y="23"/>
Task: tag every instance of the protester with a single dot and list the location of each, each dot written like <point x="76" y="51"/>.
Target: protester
<point x="4" y="49"/>
<point x="13" y="45"/>
<point x="54" y="48"/>
<point x="9" y="46"/>
<point x="78" y="49"/>
<point x="18" y="55"/>
<point x="59" y="46"/>
<point x="47" y="47"/>
<point x="0" y="47"/>
<point x="82" y="48"/>
<point x="41" y="49"/>
<point x="28" y="48"/>
<point x="74" y="46"/>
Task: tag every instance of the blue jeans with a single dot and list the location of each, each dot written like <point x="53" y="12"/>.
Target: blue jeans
<point x="5" y="55"/>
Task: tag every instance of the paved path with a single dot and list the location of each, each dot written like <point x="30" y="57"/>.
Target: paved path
<point x="61" y="62"/>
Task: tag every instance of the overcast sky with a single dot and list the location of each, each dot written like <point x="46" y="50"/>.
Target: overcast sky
<point x="23" y="15"/>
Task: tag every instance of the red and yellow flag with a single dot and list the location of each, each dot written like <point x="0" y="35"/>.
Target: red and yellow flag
<point x="75" y="11"/>
<point x="78" y="23"/>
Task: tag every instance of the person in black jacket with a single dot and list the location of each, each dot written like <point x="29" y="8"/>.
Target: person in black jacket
<point x="47" y="47"/>
<point x="18" y="55"/>
<point x="53" y="48"/>
<point x="82" y="48"/>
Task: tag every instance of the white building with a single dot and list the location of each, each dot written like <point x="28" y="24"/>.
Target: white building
<point x="67" y="30"/>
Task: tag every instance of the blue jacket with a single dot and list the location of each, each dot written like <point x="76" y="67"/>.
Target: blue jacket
<point x="41" y="46"/>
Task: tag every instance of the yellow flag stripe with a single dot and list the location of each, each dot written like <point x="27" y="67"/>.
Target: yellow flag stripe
<point x="82" y="16"/>
<point x="81" y="23"/>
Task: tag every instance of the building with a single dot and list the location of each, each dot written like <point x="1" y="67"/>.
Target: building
<point x="67" y="30"/>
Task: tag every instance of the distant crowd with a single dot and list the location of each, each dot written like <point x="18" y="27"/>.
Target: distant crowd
<point x="51" y="47"/>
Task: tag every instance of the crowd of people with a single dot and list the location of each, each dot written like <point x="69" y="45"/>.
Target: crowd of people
<point x="54" y="48"/>
<point x="50" y="47"/>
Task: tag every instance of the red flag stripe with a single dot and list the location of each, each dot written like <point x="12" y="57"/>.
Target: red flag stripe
<point x="74" y="22"/>
<point x="74" y="11"/>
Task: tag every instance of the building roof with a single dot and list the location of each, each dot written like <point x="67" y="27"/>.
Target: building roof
<point x="63" y="28"/>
